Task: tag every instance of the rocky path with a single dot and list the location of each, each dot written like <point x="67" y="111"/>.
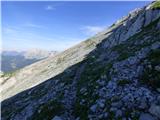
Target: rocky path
<point x="70" y="94"/>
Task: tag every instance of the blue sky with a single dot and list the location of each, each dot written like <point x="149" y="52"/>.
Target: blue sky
<point x="57" y="25"/>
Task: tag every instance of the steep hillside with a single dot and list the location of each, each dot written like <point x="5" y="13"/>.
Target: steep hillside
<point x="114" y="75"/>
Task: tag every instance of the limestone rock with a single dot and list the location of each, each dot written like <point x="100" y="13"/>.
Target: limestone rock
<point x="56" y="118"/>
<point x="155" y="110"/>
<point x="146" y="116"/>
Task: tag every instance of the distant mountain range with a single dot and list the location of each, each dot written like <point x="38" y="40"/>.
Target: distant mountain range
<point x="13" y="60"/>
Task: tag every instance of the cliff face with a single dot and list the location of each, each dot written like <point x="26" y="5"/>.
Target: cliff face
<point x="113" y="75"/>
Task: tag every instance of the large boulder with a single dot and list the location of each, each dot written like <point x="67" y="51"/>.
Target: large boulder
<point x="56" y="118"/>
<point x="146" y="116"/>
<point x="155" y="110"/>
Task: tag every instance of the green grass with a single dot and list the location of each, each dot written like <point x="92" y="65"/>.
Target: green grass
<point x="88" y="79"/>
<point x="37" y="95"/>
<point x="154" y="57"/>
<point x="151" y="76"/>
<point x="60" y="60"/>
<point x="111" y="116"/>
<point x="123" y="82"/>
<point x="8" y="74"/>
<point x="7" y="112"/>
<point x="156" y="5"/>
<point x="89" y="43"/>
<point x="81" y="111"/>
<point x="48" y="110"/>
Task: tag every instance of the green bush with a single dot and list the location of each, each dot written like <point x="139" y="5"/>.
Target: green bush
<point x="123" y="82"/>
<point x="81" y="111"/>
<point x="156" y="5"/>
<point x="9" y="74"/>
<point x="48" y="110"/>
<point x="151" y="76"/>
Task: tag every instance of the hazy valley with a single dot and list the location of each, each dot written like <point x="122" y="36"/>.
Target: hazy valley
<point x="14" y="60"/>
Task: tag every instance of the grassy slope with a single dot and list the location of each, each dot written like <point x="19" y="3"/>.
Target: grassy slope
<point x="156" y="5"/>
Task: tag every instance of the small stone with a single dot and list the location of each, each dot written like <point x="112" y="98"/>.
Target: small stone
<point x="56" y="81"/>
<point x="105" y="115"/>
<point x="118" y="113"/>
<point x="158" y="89"/>
<point x="158" y="99"/>
<point x="113" y="109"/>
<point x="146" y="116"/>
<point x="82" y="101"/>
<point x="29" y="92"/>
<point x="157" y="67"/>
<point x="158" y="25"/>
<point x="155" y="45"/>
<point x="56" y="118"/>
<point x="100" y="116"/>
<point x="143" y="105"/>
<point x="150" y="66"/>
<point x="101" y="103"/>
<point x="78" y="118"/>
<point x="101" y="82"/>
<point x="83" y="90"/>
<point x="155" y="110"/>
<point x="39" y="110"/>
<point x="93" y="108"/>
<point x="124" y="119"/>
<point x="104" y="77"/>
<point x="111" y="85"/>
<point x="117" y="104"/>
<point x="129" y="118"/>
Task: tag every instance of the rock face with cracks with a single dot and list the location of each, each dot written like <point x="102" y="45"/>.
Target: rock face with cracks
<point x="114" y="75"/>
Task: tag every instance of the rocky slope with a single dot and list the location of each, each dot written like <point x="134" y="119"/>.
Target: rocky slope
<point x="115" y="75"/>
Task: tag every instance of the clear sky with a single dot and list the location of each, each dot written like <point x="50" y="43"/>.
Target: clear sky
<point x="57" y="25"/>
